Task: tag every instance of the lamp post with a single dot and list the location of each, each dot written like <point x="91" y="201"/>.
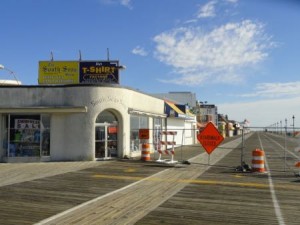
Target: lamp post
<point x="285" y="144"/>
<point x="293" y="125"/>
<point x="11" y="72"/>
<point x="280" y="127"/>
<point x="285" y="125"/>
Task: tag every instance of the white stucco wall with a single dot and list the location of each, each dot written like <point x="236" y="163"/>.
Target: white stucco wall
<point x="73" y="134"/>
<point x="185" y="131"/>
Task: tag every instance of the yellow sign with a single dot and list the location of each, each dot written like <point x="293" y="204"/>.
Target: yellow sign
<point x="58" y="72"/>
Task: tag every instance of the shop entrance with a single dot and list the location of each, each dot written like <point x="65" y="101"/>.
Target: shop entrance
<point x="106" y="136"/>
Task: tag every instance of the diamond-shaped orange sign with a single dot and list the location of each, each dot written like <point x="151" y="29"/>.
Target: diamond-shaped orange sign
<point x="210" y="138"/>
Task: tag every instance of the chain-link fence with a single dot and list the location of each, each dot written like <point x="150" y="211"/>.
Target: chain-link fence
<point x="280" y="147"/>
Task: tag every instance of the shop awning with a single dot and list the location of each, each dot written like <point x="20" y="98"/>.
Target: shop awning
<point x="179" y="111"/>
<point x="143" y="113"/>
<point x="173" y="111"/>
<point x="44" y="109"/>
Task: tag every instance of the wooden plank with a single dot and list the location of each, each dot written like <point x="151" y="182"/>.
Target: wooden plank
<point x="186" y="194"/>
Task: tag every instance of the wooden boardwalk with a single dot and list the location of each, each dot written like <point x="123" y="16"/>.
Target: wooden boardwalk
<point x="32" y="201"/>
<point x="222" y="196"/>
<point x="135" y="192"/>
<point x="128" y="205"/>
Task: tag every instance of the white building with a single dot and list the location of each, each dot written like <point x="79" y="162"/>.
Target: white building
<point x="81" y="122"/>
<point x="181" y="97"/>
<point x="207" y="113"/>
<point x="179" y="119"/>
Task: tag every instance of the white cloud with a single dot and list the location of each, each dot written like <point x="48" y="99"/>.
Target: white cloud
<point x="139" y="51"/>
<point x="191" y="21"/>
<point x="232" y="1"/>
<point x="207" y="10"/>
<point x="126" y="3"/>
<point x="275" y="90"/>
<point x="199" y="55"/>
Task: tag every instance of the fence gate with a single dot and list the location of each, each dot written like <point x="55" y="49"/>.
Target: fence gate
<point x="168" y="151"/>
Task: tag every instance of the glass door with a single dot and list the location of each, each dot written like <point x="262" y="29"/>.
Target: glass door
<point x="101" y="143"/>
<point x="106" y="141"/>
<point x="112" y="140"/>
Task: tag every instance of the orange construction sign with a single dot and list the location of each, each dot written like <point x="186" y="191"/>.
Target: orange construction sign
<point x="210" y="138"/>
<point x="144" y="134"/>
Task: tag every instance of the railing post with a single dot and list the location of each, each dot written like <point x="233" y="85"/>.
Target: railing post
<point x="242" y="149"/>
<point x="285" y="148"/>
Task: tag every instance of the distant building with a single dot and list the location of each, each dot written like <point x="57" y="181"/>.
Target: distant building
<point x="181" y="97"/>
<point x="181" y="120"/>
<point x="206" y="113"/>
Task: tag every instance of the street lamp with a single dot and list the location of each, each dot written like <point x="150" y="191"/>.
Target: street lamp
<point x="285" y="126"/>
<point x="121" y="67"/>
<point x="293" y="125"/>
<point x="280" y="127"/>
<point x="11" y="72"/>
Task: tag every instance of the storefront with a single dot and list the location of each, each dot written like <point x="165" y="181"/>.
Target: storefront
<point x="26" y="135"/>
<point x="181" y="120"/>
<point x="74" y="122"/>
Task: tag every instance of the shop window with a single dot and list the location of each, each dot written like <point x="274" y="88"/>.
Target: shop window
<point x="45" y="135"/>
<point x="106" y="117"/>
<point x="27" y="135"/>
<point x="157" y="128"/>
<point x="4" y="129"/>
<point x="24" y="135"/>
<point x="136" y="123"/>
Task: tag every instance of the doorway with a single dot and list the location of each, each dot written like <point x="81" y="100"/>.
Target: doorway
<point x="106" y="136"/>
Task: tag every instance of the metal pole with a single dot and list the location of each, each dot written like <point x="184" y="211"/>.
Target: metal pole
<point x="242" y="149"/>
<point x="293" y="126"/>
<point x="183" y="133"/>
<point x="8" y="136"/>
<point x="285" y="145"/>
<point x="280" y="127"/>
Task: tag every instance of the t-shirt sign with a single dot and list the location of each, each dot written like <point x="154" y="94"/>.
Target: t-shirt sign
<point x="98" y="72"/>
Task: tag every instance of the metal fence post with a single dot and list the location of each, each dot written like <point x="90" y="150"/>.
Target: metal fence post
<point x="285" y="148"/>
<point x="183" y="133"/>
<point x="242" y="149"/>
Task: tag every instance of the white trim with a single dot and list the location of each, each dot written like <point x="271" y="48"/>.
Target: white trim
<point x="143" y="113"/>
<point x="45" y="109"/>
<point x="9" y="82"/>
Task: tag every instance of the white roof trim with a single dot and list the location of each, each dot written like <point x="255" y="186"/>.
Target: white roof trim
<point x="44" y="109"/>
<point x="10" y="82"/>
<point x="143" y="113"/>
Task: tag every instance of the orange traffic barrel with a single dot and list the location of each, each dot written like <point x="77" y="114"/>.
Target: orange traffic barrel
<point x="145" y="152"/>
<point x="258" y="160"/>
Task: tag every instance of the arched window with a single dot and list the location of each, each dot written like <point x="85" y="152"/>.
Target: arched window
<point x="106" y="117"/>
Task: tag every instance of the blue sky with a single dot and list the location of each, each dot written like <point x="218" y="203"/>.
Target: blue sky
<point x="242" y="55"/>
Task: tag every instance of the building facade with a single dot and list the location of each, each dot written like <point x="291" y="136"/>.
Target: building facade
<point x="77" y="122"/>
<point x="206" y="113"/>
<point x="181" y="97"/>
